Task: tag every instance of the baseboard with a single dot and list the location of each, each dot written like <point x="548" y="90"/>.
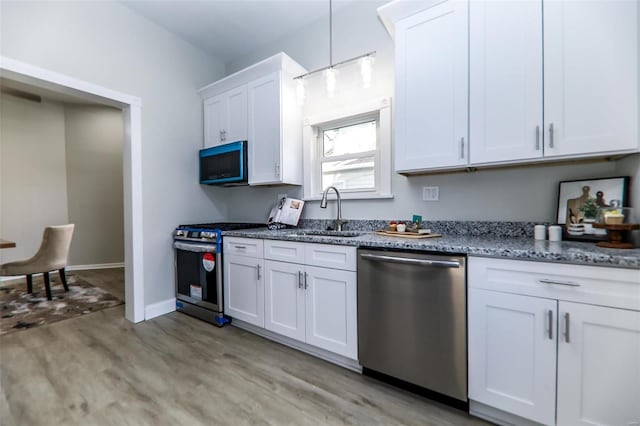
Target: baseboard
<point x="339" y="360"/>
<point x="95" y="266"/>
<point x="69" y="269"/>
<point x="160" y="308"/>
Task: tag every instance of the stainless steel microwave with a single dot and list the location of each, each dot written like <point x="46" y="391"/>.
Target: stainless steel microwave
<point x="224" y="164"/>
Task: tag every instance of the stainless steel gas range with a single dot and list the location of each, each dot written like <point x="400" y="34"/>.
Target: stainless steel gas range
<point x="198" y="266"/>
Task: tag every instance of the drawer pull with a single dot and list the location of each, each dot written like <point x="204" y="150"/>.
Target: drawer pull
<point x="240" y="247"/>
<point x="567" y="283"/>
<point x="300" y="279"/>
<point x="567" y="322"/>
<point x="550" y="318"/>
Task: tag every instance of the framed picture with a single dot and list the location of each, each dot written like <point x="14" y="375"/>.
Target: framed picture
<point x="579" y="201"/>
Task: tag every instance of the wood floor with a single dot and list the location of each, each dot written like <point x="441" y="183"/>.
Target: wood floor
<point x="99" y="369"/>
<point x="111" y="280"/>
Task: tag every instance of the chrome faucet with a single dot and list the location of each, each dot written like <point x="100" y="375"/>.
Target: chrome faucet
<point x="323" y="205"/>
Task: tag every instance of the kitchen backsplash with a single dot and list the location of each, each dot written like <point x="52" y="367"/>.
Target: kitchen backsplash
<point x="447" y="227"/>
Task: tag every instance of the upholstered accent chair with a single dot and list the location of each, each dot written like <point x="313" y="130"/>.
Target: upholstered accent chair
<point x="52" y="255"/>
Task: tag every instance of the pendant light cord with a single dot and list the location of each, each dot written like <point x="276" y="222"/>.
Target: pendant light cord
<point x="330" y="34"/>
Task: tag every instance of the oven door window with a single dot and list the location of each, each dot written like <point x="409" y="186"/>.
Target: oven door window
<point x="196" y="275"/>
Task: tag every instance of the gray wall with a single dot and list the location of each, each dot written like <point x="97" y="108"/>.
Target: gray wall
<point x="524" y="193"/>
<point x="61" y="164"/>
<point x="33" y="185"/>
<point x="94" y="139"/>
<point x="107" y="44"/>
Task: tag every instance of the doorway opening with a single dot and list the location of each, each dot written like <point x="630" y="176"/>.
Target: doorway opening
<point x="18" y="74"/>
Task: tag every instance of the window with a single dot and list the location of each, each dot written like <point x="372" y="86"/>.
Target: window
<point x="349" y="150"/>
<point x="348" y="156"/>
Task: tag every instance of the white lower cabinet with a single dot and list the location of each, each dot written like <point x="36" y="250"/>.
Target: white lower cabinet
<point x="598" y="365"/>
<point x="531" y="323"/>
<point x="512" y="349"/>
<point x="244" y="289"/>
<point x="295" y="297"/>
<point x="284" y="299"/>
<point x="331" y="308"/>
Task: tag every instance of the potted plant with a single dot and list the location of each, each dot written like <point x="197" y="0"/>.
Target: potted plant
<point x="589" y="212"/>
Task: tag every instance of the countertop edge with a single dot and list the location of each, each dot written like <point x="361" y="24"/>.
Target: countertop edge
<point x="501" y="248"/>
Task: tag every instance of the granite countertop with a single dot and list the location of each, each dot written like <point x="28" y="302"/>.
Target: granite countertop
<point x="518" y="247"/>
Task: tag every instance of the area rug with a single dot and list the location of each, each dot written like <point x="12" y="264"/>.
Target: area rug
<point x="20" y="310"/>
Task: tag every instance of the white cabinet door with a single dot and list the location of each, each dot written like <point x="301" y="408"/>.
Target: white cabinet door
<point x="244" y="289"/>
<point x="264" y="130"/>
<point x="236" y="123"/>
<point x="590" y="76"/>
<point x="215" y="115"/>
<point x="225" y="117"/>
<point x="512" y="353"/>
<point x="331" y="310"/>
<point x="505" y="80"/>
<point x="284" y="299"/>
<point x="598" y="365"/>
<point x="432" y="88"/>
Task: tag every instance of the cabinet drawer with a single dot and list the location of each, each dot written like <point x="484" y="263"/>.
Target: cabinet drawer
<point x="243" y="246"/>
<point x="595" y="285"/>
<point x="330" y="256"/>
<point x="285" y="251"/>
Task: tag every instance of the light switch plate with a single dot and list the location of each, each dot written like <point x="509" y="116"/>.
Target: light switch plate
<point x="430" y="193"/>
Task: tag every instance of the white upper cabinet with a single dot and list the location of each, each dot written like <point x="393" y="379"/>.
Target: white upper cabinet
<point x="258" y="104"/>
<point x="545" y="80"/>
<point x="225" y="117"/>
<point x="590" y="76"/>
<point x="505" y="100"/>
<point x="265" y="130"/>
<point x="431" y="88"/>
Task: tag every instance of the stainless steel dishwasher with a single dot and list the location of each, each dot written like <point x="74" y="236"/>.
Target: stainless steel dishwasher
<point x="412" y="320"/>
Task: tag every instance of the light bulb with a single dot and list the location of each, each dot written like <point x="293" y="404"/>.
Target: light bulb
<point x="300" y="90"/>
<point x="330" y="81"/>
<point x="366" y="69"/>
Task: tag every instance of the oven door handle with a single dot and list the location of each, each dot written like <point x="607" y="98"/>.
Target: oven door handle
<point x="195" y="247"/>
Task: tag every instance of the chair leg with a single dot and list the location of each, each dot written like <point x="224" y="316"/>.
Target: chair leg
<point x="29" y="283"/>
<point x="63" y="277"/>
<point x="47" y="285"/>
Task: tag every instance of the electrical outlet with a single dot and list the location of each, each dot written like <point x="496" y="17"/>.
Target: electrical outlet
<point x="281" y="196"/>
<point x="430" y="193"/>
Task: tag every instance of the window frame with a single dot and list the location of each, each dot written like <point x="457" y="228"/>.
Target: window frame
<point x="313" y="127"/>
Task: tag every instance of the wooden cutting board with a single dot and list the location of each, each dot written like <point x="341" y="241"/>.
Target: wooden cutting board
<point x="413" y="235"/>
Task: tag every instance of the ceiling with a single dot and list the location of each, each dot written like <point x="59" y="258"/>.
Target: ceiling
<point x="229" y="29"/>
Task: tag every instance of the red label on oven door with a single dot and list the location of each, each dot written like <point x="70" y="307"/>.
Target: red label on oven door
<point x="208" y="262"/>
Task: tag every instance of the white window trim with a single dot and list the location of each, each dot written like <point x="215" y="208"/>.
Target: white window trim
<point x="381" y="107"/>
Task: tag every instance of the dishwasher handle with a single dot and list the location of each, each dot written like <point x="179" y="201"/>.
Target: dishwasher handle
<point x="410" y="261"/>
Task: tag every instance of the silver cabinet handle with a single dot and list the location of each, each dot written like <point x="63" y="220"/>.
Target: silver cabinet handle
<point x="240" y="247"/>
<point x="409" y="261"/>
<point x="300" y="279"/>
<point x="550" y="319"/>
<point x="462" y="147"/>
<point x="537" y="138"/>
<point x="259" y="274"/>
<point x="566" y="327"/>
<point x="551" y="131"/>
<point x="568" y="283"/>
<point x="306" y="276"/>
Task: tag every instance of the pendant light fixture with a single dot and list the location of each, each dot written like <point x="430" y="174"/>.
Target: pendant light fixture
<point x="330" y="72"/>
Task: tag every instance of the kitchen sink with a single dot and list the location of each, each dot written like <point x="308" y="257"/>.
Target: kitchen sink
<point x="319" y="233"/>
